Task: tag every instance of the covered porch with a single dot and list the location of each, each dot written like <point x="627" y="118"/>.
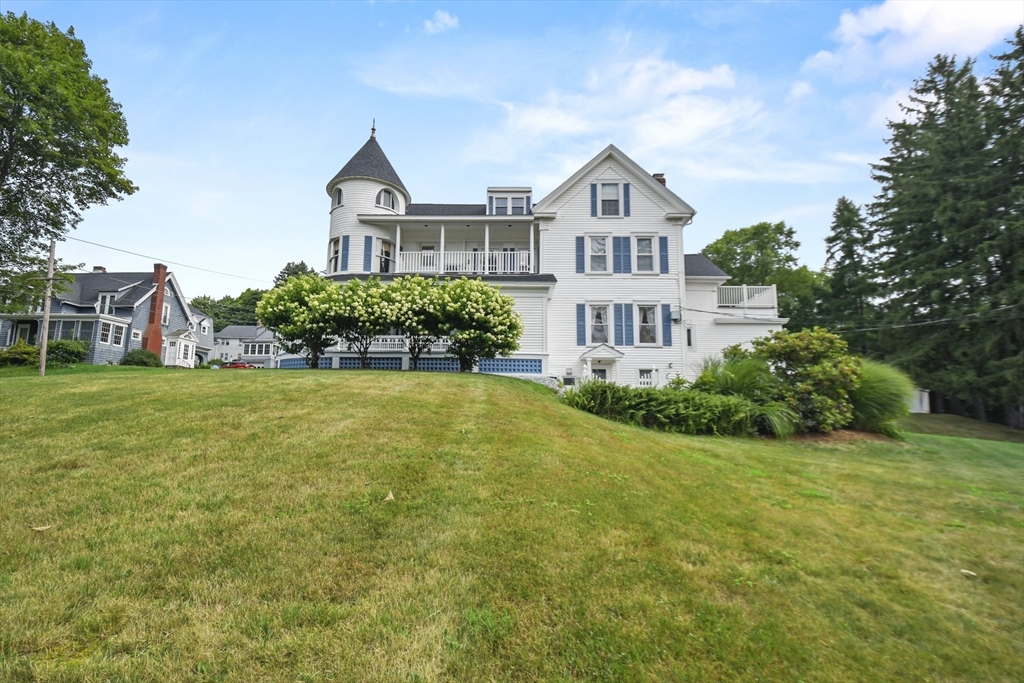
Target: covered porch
<point x="464" y="245"/>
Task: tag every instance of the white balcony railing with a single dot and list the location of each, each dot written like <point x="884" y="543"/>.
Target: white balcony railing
<point x="465" y="262"/>
<point x="747" y="296"/>
<point x="396" y="342"/>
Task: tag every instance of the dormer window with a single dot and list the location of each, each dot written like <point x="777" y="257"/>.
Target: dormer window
<point x="107" y="303"/>
<point x="386" y="198"/>
<point x="518" y="206"/>
<point x="501" y="206"/>
<point x="338" y="197"/>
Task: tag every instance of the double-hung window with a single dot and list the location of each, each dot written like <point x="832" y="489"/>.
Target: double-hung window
<point x="105" y="333"/>
<point x="645" y="254"/>
<point x="332" y="262"/>
<point x="598" y="254"/>
<point x="204" y="329"/>
<point x="107" y="303"/>
<point x="501" y="206"/>
<point x="647" y="324"/>
<point x="118" y="335"/>
<point x="599" y="324"/>
<point x="165" y="318"/>
<point x="610" y="199"/>
<point x="518" y="206"/>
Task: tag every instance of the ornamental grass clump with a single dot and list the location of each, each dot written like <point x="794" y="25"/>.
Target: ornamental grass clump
<point x="882" y="397"/>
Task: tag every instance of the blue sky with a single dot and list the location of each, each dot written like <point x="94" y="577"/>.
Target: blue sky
<point x="239" y="113"/>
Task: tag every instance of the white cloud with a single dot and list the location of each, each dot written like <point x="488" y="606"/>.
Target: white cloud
<point x="896" y="35"/>
<point x="442" y="21"/>
<point x="800" y="89"/>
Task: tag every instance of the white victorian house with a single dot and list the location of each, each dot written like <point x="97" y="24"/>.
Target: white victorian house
<point x="597" y="270"/>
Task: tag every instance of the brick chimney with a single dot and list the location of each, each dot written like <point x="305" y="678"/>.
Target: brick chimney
<point x="660" y="177"/>
<point x="99" y="269"/>
<point x="153" y="338"/>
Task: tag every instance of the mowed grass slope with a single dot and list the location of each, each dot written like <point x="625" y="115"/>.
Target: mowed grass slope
<point x="232" y="526"/>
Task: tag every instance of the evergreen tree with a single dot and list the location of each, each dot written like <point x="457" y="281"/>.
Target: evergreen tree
<point x="293" y="269"/>
<point x="848" y="265"/>
<point x="934" y="236"/>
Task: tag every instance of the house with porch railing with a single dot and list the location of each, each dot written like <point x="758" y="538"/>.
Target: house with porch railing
<point x="597" y="270"/>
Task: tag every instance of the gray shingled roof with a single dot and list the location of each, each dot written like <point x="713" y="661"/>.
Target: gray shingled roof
<point x="698" y="265"/>
<point x="237" y="332"/>
<point x="88" y="286"/>
<point x="446" y="210"/>
<point x="198" y="312"/>
<point x="369" y="162"/>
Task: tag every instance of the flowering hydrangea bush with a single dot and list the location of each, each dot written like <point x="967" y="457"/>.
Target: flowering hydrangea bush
<point x="479" y="320"/>
<point x="304" y="312"/>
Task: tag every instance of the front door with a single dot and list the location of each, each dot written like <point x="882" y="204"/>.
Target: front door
<point x="24" y="332"/>
<point x="385" y="256"/>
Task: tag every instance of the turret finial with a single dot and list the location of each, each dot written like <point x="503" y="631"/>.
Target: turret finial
<point x="373" y="128"/>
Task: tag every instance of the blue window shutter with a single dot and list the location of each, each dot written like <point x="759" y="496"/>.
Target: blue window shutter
<point x="628" y="323"/>
<point x="616" y="254"/>
<point x="367" y="252"/>
<point x="344" y="252"/>
<point x="666" y="325"/>
<point x="490" y="206"/>
<point x="625" y="199"/>
<point x="663" y="253"/>
<point x="581" y="324"/>
<point x="618" y="324"/>
<point x="580" y="259"/>
<point x="593" y="199"/>
<point x="627" y="255"/>
<point x="528" y="209"/>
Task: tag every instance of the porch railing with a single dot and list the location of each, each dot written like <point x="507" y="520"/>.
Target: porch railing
<point x="465" y="262"/>
<point x="747" y="296"/>
<point x="395" y="342"/>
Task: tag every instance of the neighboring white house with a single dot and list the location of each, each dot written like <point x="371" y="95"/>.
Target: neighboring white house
<point x="596" y="268"/>
<point x="250" y="343"/>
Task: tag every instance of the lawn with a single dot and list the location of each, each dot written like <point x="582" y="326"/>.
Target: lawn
<point x="222" y="525"/>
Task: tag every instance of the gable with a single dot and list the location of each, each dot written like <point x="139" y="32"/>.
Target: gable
<point x="611" y="165"/>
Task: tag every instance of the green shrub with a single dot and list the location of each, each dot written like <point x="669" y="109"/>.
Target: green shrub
<point x="881" y="398"/>
<point x="748" y="377"/>
<point x="66" y="351"/>
<point x="683" y="411"/>
<point x="216" y="361"/>
<point x="143" y="358"/>
<point x="816" y="374"/>
<point x="19" y="353"/>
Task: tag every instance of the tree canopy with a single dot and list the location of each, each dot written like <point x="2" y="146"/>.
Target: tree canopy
<point x="59" y="129"/>
<point x="293" y="269"/>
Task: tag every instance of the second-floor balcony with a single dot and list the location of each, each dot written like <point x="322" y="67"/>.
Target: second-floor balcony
<point x="507" y="262"/>
<point x="747" y="296"/>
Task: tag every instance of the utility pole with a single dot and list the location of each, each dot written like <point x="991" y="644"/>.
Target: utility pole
<point x="44" y="333"/>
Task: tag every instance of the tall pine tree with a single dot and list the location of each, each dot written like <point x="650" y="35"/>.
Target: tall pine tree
<point x="848" y="266"/>
<point x="940" y="249"/>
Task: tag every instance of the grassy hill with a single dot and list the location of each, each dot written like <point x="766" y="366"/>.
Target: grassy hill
<point x="233" y="526"/>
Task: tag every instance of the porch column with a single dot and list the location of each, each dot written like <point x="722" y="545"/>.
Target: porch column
<point x="440" y="266"/>
<point x="398" y="247"/>
<point x="531" y="248"/>
<point x="487" y="247"/>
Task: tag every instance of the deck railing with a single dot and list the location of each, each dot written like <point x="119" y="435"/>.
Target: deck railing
<point x="465" y="262"/>
<point x="747" y="296"/>
<point x="396" y="342"/>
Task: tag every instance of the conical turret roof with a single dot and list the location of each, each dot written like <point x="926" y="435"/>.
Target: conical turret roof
<point x="370" y="162"/>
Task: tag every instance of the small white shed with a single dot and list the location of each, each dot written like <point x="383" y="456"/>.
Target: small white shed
<point x="180" y="350"/>
<point x="921" y="401"/>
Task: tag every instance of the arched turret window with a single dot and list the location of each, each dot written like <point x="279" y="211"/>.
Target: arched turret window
<point x="386" y="198"/>
<point x="337" y="197"/>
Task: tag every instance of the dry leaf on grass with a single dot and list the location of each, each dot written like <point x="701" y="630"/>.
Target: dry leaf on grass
<point x="41" y="529"/>
<point x="391" y="496"/>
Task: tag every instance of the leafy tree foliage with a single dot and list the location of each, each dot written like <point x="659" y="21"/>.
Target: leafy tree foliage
<point x="230" y="310"/>
<point x="292" y="270"/>
<point x="364" y="312"/>
<point x="764" y="254"/>
<point x="59" y="127"/>
<point x="479" y="320"/>
<point x="417" y="313"/>
<point x="948" y="229"/>
<point x="304" y="313"/>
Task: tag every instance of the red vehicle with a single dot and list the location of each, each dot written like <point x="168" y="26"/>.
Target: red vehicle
<point x="237" y="365"/>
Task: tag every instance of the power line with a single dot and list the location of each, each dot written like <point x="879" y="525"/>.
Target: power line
<point x="175" y="263"/>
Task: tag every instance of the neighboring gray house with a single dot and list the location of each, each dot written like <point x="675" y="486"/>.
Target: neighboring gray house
<point x="204" y="335"/>
<point x="112" y="312"/>
<point x="250" y="343"/>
